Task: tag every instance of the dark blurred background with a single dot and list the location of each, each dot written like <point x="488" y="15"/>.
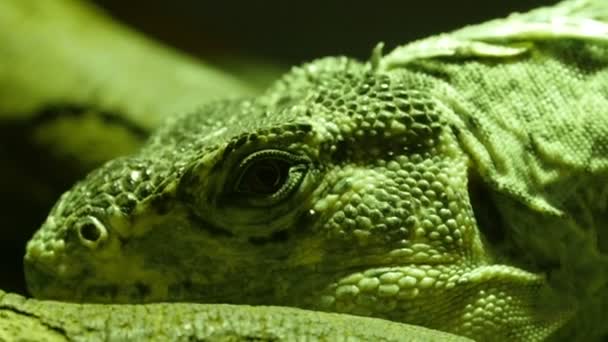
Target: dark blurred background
<point x="283" y="33"/>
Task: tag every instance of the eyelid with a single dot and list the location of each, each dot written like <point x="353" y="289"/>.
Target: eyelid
<point x="268" y="154"/>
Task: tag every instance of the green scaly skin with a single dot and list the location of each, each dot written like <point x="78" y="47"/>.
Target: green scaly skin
<point x="458" y="183"/>
<point x="33" y="320"/>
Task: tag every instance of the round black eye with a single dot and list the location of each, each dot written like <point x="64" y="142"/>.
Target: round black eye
<point x="264" y="176"/>
<point x="269" y="176"/>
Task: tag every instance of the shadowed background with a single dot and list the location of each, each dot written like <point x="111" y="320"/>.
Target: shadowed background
<point x="283" y="33"/>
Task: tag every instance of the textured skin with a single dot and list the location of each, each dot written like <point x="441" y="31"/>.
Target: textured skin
<point x="458" y="183"/>
<point x="33" y="320"/>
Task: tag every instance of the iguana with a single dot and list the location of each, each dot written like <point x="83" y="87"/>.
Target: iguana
<point x="58" y="93"/>
<point x="457" y="183"/>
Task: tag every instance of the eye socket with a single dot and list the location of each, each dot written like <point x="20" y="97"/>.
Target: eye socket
<point x="269" y="176"/>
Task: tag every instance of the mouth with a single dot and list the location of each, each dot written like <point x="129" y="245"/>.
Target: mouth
<point x="43" y="284"/>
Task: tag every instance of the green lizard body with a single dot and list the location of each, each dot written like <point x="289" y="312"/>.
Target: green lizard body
<point x="458" y="183"/>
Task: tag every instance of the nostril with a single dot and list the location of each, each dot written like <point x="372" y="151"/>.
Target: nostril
<point x="91" y="231"/>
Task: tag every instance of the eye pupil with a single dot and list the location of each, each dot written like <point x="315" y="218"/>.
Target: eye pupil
<point x="265" y="176"/>
<point x="268" y="176"/>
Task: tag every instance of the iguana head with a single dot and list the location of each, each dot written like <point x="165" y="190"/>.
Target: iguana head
<point x="341" y="189"/>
